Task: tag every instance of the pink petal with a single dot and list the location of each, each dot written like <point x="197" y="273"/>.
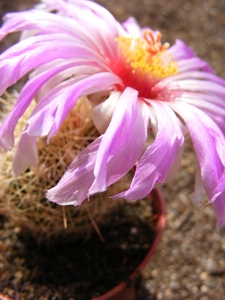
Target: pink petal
<point x="102" y="113"/>
<point x="104" y="29"/>
<point x="194" y="63"/>
<point x="42" y="22"/>
<point x="36" y="51"/>
<point x="219" y="208"/>
<point x="180" y="51"/>
<point x="214" y="103"/>
<point x="186" y="58"/>
<point x="73" y="187"/>
<point x="196" y="197"/>
<point x="209" y="144"/>
<point x="132" y="27"/>
<point x="123" y="141"/>
<point x="195" y="74"/>
<point x="51" y="111"/>
<point x="157" y="160"/>
<point x="219" y="188"/>
<point x="198" y="86"/>
<point x="37" y="20"/>
<point x="26" y="96"/>
<point x="26" y="154"/>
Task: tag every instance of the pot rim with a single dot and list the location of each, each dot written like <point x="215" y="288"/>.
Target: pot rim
<point x="159" y="204"/>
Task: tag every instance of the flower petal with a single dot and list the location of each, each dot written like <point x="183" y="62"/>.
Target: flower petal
<point x="219" y="208"/>
<point x="157" y="160"/>
<point x="26" y="154"/>
<point x="132" y="27"/>
<point x="195" y="74"/>
<point x="198" y="189"/>
<point x="26" y="96"/>
<point x="180" y="51"/>
<point x="49" y="113"/>
<point x="198" y="86"/>
<point x="186" y="58"/>
<point x="36" y="20"/>
<point x="42" y="22"/>
<point x="123" y="141"/>
<point x="73" y="187"/>
<point x="102" y="113"/>
<point x="209" y="145"/>
<point x="36" y="51"/>
<point x="104" y="29"/>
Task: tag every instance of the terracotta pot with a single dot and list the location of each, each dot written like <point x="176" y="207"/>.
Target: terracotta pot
<point x="126" y="290"/>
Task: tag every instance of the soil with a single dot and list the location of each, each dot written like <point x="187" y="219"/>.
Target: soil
<point x="190" y="260"/>
<point x="77" y="270"/>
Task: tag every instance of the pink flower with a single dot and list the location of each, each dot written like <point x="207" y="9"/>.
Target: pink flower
<point x="151" y="88"/>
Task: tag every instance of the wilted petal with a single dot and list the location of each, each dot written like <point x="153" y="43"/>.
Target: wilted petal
<point x="104" y="29"/>
<point x="159" y="157"/>
<point x="73" y="188"/>
<point x="219" y="208"/>
<point x="219" y="188"/>
<point x="215" y="107"/>
<point x="132" y="27"/>
<point x="195" y="74"/>
<point x="196" y="197"/>
<point x="180" y="51"/>
<point x="102" y="113"/>
<point x="37" y="21"/>
<point x="41" y="22"/>
<point x="23" y="101"/>
<point x="198" y="86"/>
<point x="26" y="154"/>
<point x="123" y="141"/>
<point x="36" y="51"/>
<point x="194" y="63"/>
<point x="209" y="145"/>
<point x="79" y="69"/>
<point x="186" y="58"/>
<point x="175" y="166"/>
<point x="124" y="160"/>
<point x="51" y="111"/>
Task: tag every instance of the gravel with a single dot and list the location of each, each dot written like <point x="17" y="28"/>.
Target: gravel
<point x="190" y="260"/>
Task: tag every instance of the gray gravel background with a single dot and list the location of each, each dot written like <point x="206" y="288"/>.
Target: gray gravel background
<point x="190" y="261"/>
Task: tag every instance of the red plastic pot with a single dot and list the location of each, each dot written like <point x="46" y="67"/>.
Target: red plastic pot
<point x="126" y="290"/>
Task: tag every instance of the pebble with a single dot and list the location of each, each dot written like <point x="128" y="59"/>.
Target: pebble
<point x="134" y="230"/>
<point x="204" y="276"/>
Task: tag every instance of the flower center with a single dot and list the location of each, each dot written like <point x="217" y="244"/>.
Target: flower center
<point x="144" y="61"/>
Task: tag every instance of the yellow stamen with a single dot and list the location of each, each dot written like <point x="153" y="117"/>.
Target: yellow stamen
<point x="147" y="55"/>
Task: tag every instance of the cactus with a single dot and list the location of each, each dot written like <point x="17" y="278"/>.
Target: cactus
<point x="22" y="197"/>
